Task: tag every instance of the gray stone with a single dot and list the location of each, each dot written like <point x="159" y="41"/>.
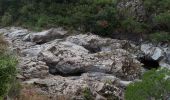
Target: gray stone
<point x="46" y="36"/>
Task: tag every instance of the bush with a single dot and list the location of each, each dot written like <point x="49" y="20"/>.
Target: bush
<point x="6" y="19"/>
<point x="154" y="86"/>
<point x="162" y="21"/>
<point x="156" y="6"/>
<point x="160" y="37"/>
<point x="87" y="94"/>
<point x="7" y="69"/>
<point x="132" y="26"/>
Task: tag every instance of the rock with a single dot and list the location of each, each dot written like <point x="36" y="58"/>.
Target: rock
<point x="30" y="68"/>
<point x="46" y="36"/>
<point x="95" y="43"/>
<point x="99" y="97"/>
<point x="69" y="58"/>
<point x="66" y="65"/>
<point x="15" y="33"/>
<point x="74" y="86"/>
<point x="33" y="51"/>
<point x="152" y="52"/>
<point x="157" y="53"/>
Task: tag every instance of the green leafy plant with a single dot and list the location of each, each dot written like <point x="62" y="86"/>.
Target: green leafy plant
<point x="160" y="37"/>
<point x="154" y="86"/>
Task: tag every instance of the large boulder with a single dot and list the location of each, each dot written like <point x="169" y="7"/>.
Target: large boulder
<point x="94" y="43"/>
<point x="152" y="52"/>
<point x="46" y="36"/>
<point x="68" y="58"/>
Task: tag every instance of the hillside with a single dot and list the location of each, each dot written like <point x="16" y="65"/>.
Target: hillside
<point x="84" y="49"/>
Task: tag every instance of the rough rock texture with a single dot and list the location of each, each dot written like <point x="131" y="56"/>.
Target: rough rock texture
<point x="45" y="36"/>
<point x="158" y="53"/>
<point x="65" y="65"/>
<point x="132" y="8"/>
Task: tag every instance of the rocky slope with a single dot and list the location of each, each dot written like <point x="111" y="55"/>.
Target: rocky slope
<point x="60" y="63"/>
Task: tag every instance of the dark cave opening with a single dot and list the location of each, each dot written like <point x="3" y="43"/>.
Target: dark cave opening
<point x="149" y="63"/>
<point x="92" y="49"/>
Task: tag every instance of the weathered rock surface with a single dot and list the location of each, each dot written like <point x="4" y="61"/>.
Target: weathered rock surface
<point x="157" y="53"/>
<point x="66" y="65"/>
<point x="46" y="36"/>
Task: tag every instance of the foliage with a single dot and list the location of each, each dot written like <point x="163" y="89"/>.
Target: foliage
<point x="154" y="86"/>
<point x="156" y="6"/>
<point x="90" y="15"/>
<point x="87" y="94"/>
<point x="162" y="20"/>
<point x="98" y="16"/>
<point x="160" y="37"/>
<point x="132" y="26"/>
<point x="6" y="19"/>
<point x="7" y="69"/>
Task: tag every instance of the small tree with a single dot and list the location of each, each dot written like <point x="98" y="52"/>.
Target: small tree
<point x="154" y="86"/>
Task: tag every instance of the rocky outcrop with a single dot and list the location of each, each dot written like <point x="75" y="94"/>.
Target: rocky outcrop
<point x="158" y="53"/>
<point x="46" y="36"/>
<point x="66" y="65"/>
<point x="132" y="8"/>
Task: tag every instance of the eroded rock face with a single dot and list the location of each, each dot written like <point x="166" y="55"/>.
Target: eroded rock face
<point x="65" y="65"/>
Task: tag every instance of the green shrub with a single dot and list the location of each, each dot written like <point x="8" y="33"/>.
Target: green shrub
<point x="7" y="69"/>
<point x="132" y="26"/>
<point x="154" y="86"/>
<point x="7" y="73"/>
<point x="162" y="20"/>
<point x="87" y="94"/>
<point x="6" y="19"/>
<point x="160" y="37"/>
<point x="156" y="6"/>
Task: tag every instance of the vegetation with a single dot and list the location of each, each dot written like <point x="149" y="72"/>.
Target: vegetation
<point x="154" y="86"/>
<point x="98" y="16"/>
<point x="87" y="94"/>
<point x="7" y="69"/>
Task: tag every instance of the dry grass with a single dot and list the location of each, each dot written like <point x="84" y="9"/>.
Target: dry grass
<point x="3" y="44"/>
<point x="29" y="92"/>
